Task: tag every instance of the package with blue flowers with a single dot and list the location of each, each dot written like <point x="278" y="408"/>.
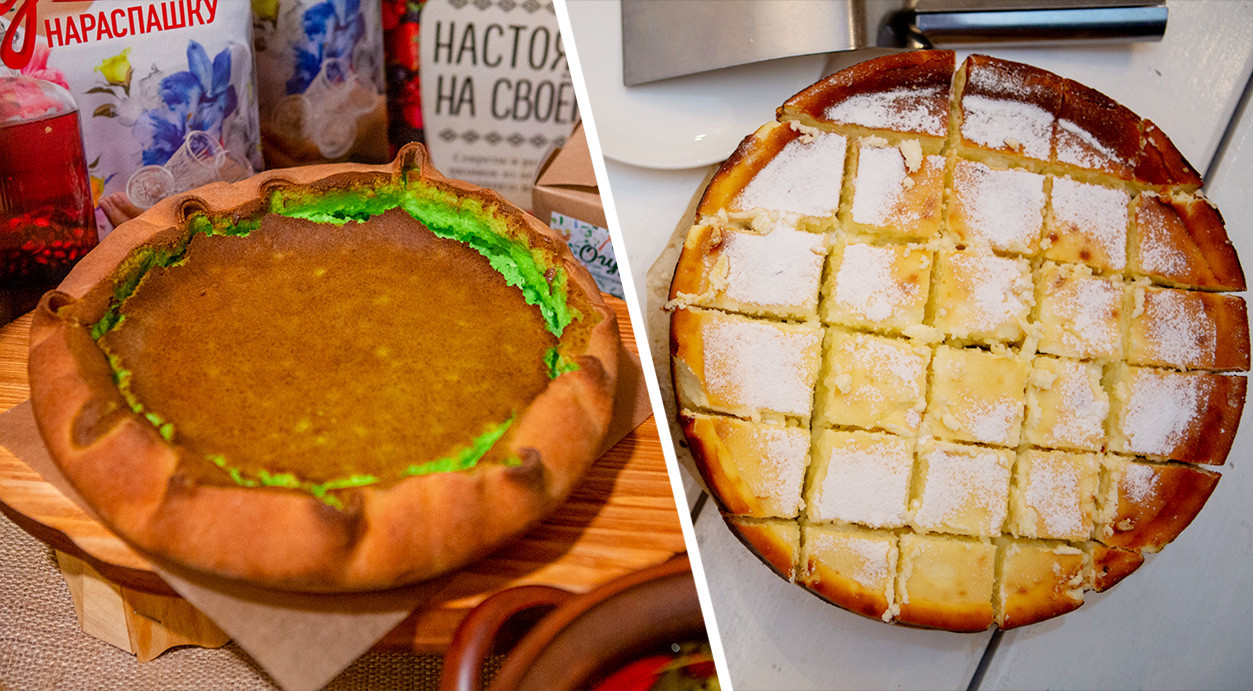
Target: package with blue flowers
<point x="320" y="81"/>
<point x="164" y="89"/>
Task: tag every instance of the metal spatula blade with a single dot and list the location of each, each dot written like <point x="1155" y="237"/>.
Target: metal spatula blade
<point x="670" y="38"/>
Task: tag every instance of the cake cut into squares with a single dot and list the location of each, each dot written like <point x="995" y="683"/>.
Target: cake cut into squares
<point x="1146" y="505"/>
<point x="860" y="477"/>
<point x="732" y="364"/>
<point x="977" y="396"/>
<point x="1067" y="405"/>
<point x="1087" y="224"/>
<point x="786" y="170"/>
<point x="872" y="382"/>
<point x="1080" y="315"/>
<point x="996" y="208"/>
<point x="1182" y="416"/>
<point x="898" y="191"/>
<point x="775" y="274"/>
<point x="1181" y="240"/>
<point x="1009" y="107"/>
<point x="1181" y="329"/>
<point x="982" y="296"/>
<point x="946" y="582"/>
<point x="754" y="469"/>
<point x="1039" y="581"/>
<point x="852" y="567"/>
<point x="962" y="489"/>
<point x="776" y="542"/>
<point x="1054" y="495"/>
<point x="877" y="287"/>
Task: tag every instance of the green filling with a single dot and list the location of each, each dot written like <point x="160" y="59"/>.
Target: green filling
<point x="466" y="220"/>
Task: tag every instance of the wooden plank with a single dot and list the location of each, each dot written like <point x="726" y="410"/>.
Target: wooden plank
<point x="620" y="519"/>
<point x="1185" y="619"/>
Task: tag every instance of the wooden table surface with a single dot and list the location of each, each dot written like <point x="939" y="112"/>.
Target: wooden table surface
<point x="620" y="519"/>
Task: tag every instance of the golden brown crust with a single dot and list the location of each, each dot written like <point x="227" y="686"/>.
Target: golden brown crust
<point x="912" y="90"/>
<point x="1182" y="240"/>
<point x="383" y="536"/>
<point x="777" y="543"/>
<point x="1160" y="163"/>
<point x="1095" y="132"/>
<point x="753" y="153"/>
<point x="1110" y="565"/>
<point x="1148" y="505"/>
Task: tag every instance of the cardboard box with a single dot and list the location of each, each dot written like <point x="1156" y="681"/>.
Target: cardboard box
<point x="566" y="197"/>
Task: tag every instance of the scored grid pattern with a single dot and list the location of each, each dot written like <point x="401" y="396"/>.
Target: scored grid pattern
<point x="995" y="454"/>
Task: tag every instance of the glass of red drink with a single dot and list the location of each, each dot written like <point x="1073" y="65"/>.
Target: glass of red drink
<point x="47" y="216"/>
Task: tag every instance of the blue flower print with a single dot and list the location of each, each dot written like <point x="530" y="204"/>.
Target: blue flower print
<point x="333" y="28"/>
<point x="199" y="98"/>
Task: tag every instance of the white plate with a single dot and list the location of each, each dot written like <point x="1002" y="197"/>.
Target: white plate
<point x="683" y="122"/>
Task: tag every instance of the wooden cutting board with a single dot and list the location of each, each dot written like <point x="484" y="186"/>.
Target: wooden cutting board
<point x="621" y="518"/>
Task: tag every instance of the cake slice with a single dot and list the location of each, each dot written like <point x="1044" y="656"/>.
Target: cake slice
<point x="946" y="582"/>
<point x="872" y="382"/>
<point x="776" y="542"/>
<point x="897" y="191"/>
<point x="996" y="208"/>
<point x="977" y="396"/>
<point x="1162" y="414"/>
<point x="745" y="367"/>
<point x="1180" y="240"/>
<point x="1008" y="107"/>
<point x="775" y="274"/>
<point x="1096" y="133"/>
<point x="1087" y="224"/>
<point x="982" y="297"/>
<point x="961" y="489"/>
<point x="877" y="287"/>
<point x="753" y="469"/>
<point x="860" y="477"/>
<point x="1054" y="495"/>
<point x="1110" y="565"/>
<point x="853" y="568"/>
<point x="906" y="93"/>
<point x="1067" y="405"/>
<point x="1080" y="314"/>
<point x="1146" y="505"/>
<point x="781" y="168"/>
<point x="1181" y="329"/>
<point x="1039" y="580"/>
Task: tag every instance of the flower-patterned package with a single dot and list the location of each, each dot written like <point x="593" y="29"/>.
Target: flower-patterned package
<point x="320" y="81"/>
<point x="164" y="89"/>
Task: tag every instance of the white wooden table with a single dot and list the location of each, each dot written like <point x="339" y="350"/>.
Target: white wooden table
<point x="1184" y="620"/>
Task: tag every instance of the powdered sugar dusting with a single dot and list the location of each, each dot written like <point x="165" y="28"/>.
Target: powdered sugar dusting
<point x="1083" y="313"/>
<point x="760" y="365"/>
<point x="966" y="490"/>
<point x="866" y="285"/>
<point x="1084" y="406"/>
<point x="1002" y="209"/>
<point x="882" y="181"/>
<point x="784" y="458"/>
<point x="1096" y="213"/>
<point x="1158" y="254"/>
<point x="872" y="564"/>
<point x="804" y="178"/>
<point x="1179" y="331"/>
<point x="1138" y="483"/>
<point x="1077" y="146"/>
<point x="998" y="288"/>
<point x="902" y="110"/>
<point x="1053" y="491"/>
<point x="783" y="267"/>
<point x="1160" y="409"/>
<point x="867" y="482"/>
<point x="992" y="122"/>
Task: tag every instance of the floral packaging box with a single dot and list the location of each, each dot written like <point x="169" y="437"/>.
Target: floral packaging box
<point x="320" y="81"/>
<point x="164" y="90"/>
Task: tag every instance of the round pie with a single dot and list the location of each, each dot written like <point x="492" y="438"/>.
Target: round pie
<point x="955" y="345"/>
<point x="328" y="378"/>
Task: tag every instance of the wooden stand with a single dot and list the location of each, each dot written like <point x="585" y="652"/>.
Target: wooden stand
<point x="141" y="623"/>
